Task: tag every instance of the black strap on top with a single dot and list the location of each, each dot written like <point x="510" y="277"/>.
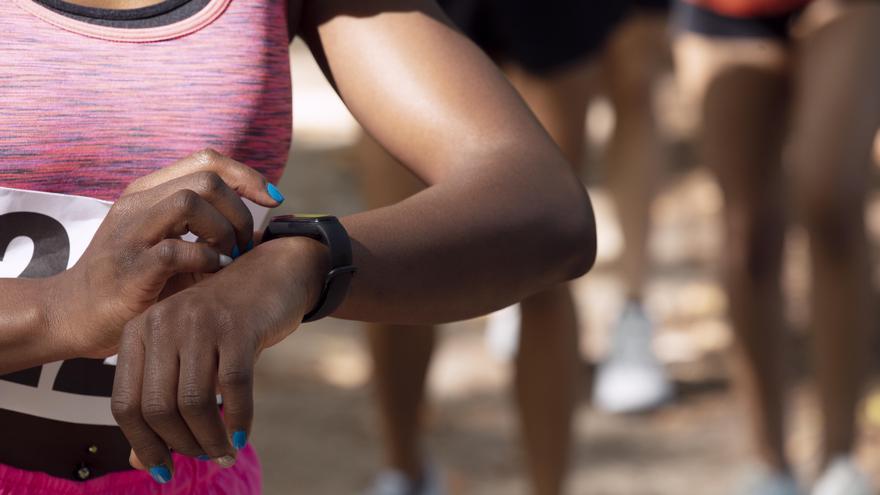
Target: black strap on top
<point x="113" y="14"/>
<point x="162" y="14"/>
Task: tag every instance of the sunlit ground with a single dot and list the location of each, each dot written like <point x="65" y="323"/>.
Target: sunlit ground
<point x="316" y="424"/>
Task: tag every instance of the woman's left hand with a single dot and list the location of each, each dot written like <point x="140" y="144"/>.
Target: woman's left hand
<point x="175" y="356"/>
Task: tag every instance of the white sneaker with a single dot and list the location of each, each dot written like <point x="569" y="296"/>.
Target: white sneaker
<point x="631" y="379"/>
<point x="392" y="482"/>
<point x="843" y="477"/>
<point x="767" y="482"/>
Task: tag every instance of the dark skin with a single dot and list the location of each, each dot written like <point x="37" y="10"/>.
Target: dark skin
<point x="503" y="215"/>
<point x="133" y="257"/>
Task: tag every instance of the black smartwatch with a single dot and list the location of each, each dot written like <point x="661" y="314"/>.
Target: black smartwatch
<point x="329" y="231"/>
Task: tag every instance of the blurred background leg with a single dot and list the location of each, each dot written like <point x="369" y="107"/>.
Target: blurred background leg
<point x="636" y="55"/>
<point x="547" y="370"/>
<point x="631" y="379"/>
<point x="548" y="361"/>
<point x="401" y="356"/>
<point x="401" y="353"/>
<point x="836" y="115"/>
<point x="743" y="85"/>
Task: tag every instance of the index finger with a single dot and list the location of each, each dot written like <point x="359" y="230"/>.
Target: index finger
<point x="245" y="181"/>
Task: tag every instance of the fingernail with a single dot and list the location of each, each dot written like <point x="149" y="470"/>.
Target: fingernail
<point x="275" y="193"/>
<point x="225" y="461"/>
<point x="250" y="245"/>
<point x="239" y="439"/>
<point x="235" y="252"/>
<point x="160" y="474"/>
<point x="204" y="457"/>
<point x="225" y="260"/>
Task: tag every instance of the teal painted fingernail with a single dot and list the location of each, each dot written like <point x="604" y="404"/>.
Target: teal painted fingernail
<point x="239" y="439"/>
<point x="275" y="193"/>
<point x="250" y="245"/>
<point x="235" y="252"/>
<point x="204" y="457"/>
<point x="160" y="474"/>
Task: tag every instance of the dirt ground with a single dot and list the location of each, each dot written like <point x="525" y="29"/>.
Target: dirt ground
<point x="315" y="422"/>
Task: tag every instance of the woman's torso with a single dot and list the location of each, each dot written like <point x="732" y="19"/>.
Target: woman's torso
<point x="86" y="109"/>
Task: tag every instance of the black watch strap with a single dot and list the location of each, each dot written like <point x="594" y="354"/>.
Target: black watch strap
<point x="330" y="232"/>
<point x="335" y="289"/>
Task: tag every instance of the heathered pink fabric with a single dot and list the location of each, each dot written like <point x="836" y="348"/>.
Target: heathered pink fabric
<point x="83" y="115"/>
<point x="191" y="477"/>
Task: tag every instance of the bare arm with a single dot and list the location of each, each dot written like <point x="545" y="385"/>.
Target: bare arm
<point x="503" y="215"/>
<point x="25" y="339"/>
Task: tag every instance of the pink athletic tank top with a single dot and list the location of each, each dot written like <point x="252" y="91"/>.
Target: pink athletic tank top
<point x="85" y="109"/>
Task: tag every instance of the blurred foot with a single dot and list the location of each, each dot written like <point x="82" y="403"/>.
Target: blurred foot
<point x="631" y="379"/>
<point x="843" y="477"/>
<point x="392" y="482"/>
<point x="770" y="483"/>
<point x="502" y="332"/>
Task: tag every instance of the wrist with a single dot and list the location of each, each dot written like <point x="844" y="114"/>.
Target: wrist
<point x="55" y="318"/>
<point x="48" y="340"/>
<point x="305" y="261"/>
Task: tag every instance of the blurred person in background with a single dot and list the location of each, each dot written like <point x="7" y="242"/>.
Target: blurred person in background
<point x="111" y="99"/>
<point x="631" y="379"/>
<point x="790" y="95"/>
<point x="553" y="54"/>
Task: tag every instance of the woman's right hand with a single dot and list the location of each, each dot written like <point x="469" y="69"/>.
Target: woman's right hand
<point x="137" y="248"/>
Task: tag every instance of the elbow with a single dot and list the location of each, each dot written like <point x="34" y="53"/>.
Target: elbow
<point x="581" y="239"/>
<point x="583" y="256"/>
<point x="574" y="238"/>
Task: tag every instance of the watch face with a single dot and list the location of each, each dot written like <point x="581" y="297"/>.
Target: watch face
<point x="304" y="217"/>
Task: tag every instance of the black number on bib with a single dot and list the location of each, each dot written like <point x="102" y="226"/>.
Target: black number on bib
<point x="51" y="256"/>
<point x="51" y="243"/>
<point x="85" y="377"/>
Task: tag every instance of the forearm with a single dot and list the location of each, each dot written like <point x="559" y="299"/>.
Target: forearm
<point x="503" y="215"/>
<point x="470" y="244"/>
<point x="26" y="336"/>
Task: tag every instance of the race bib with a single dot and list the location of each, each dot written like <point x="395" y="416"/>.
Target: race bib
<point x="43" y="234"/>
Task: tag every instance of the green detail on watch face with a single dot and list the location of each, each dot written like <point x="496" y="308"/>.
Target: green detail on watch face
<point x="310" y="215"/>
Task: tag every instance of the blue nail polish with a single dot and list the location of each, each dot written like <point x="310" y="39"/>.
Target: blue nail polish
<point x="235" y="252"/>
<point x="250" y="245"/>
<point x="204" y="457"/>
<point x="275" y="193"/>
<point x="160" y="474"/>
<point x="239" y="439"/>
